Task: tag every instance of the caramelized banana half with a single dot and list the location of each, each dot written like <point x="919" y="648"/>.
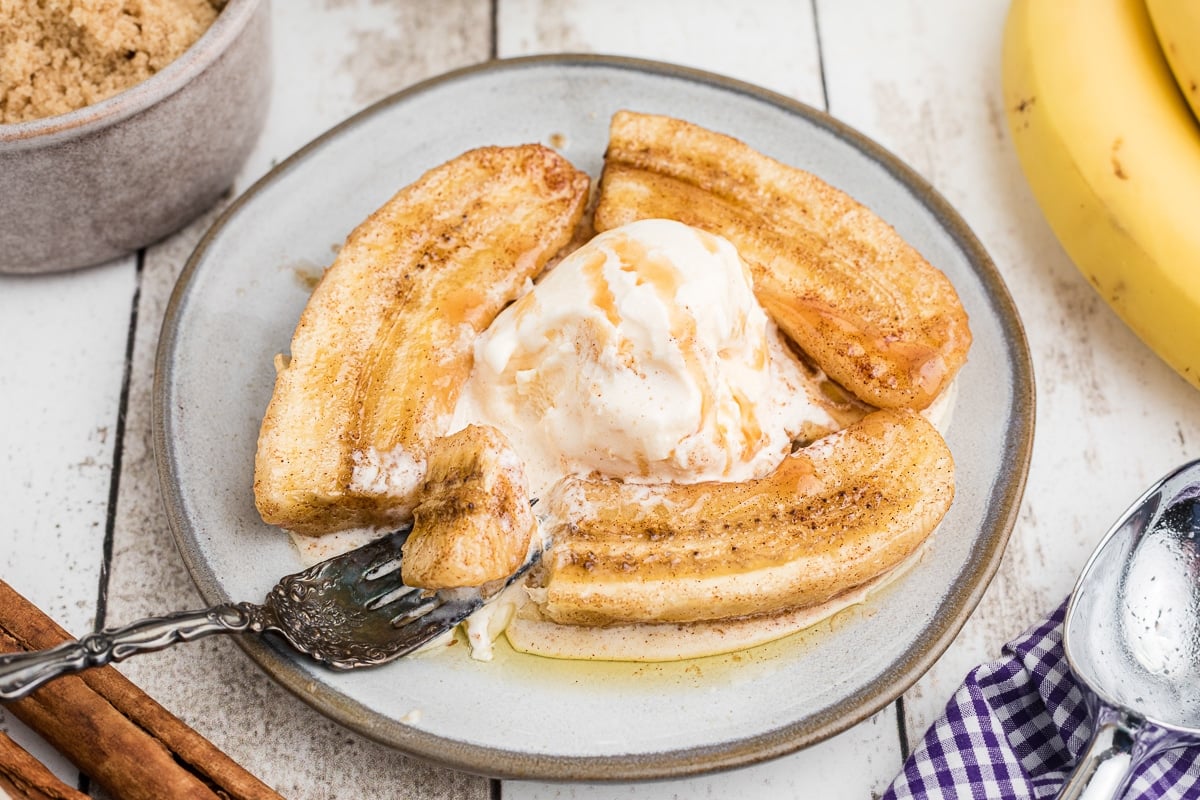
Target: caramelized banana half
<point x="832" y="516"/>
<point x="385" y="343"/>
<point x="864" y="304"/>
<point x="473" y="523"/>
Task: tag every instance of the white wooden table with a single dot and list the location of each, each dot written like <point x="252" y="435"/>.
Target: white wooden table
<point x="82" y="532"/>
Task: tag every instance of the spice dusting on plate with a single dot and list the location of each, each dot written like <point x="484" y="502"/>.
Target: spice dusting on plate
<point x="61" y="55"/>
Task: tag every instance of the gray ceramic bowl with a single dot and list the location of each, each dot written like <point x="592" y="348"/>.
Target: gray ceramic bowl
<point x="93" y="184"/>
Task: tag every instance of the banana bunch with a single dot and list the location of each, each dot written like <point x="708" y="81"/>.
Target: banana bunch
<point x="1177" y="24"/>
<point x="1112" y="152"/>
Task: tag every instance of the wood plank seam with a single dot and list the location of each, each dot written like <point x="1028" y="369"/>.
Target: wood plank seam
<point x="114" y="485"/>
<point x="494" y="21"/>
<point x="902" y="729"/>
<point x="820" y="56"/>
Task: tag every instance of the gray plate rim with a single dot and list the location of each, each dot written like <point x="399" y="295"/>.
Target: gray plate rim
<point x="957" y="607"/>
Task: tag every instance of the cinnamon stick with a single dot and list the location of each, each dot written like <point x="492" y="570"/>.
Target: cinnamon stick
<point x="25" y="778"/>
<point x="112" y="730"/>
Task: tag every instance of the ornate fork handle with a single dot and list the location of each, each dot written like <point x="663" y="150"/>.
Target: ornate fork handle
<point x="21" y="673"/>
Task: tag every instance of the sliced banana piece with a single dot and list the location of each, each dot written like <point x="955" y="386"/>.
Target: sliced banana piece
<point x="529" y="632"/>
<point x="832" y="516"/>
<point x="473" y="523"/>
<point x="863" y="303"/>
<point x="385" y="343"/>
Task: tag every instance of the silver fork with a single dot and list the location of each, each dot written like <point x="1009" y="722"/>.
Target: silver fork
<point x="348" y="612"/>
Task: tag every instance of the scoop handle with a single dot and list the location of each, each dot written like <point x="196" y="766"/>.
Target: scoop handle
<point x="1103" y="769"/>
<point x="1120" y="741"/>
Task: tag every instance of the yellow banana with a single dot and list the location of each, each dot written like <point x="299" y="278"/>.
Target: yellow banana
<point x="1177" y="25"/>
<point x="1113" y="156"/>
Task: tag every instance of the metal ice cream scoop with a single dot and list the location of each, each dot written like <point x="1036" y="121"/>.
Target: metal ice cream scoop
<point x="1132" y="636"/>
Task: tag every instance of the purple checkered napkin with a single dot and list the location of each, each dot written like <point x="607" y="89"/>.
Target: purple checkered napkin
<point x="1014" y="729"/>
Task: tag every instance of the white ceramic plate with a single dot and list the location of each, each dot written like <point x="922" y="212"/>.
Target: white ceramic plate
<point x="520" y="716"/>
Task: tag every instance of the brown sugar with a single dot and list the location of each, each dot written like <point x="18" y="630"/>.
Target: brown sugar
<point x="60" y="55"/>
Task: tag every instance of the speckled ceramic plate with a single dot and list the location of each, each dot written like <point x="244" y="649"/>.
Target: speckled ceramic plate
<point x="520" y="716"/>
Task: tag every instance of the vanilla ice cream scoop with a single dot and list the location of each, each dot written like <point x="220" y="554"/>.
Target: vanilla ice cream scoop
<point x="645" y="355"/>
